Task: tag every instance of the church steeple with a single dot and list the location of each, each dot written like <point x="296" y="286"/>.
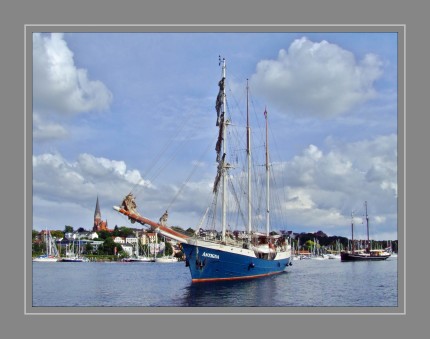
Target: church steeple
<point x="99" y="224"/>
<point x="97" y="214"/>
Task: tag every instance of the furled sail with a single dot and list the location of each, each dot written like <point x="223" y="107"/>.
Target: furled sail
<point x="220" y="138"/>
<point x="219" y="173"/>
<point x="218" y="103"/>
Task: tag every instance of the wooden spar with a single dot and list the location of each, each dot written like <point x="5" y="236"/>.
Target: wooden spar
<point x="166" y="231"/>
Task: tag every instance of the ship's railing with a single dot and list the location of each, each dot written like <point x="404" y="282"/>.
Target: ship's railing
<point x="240" y="243"/>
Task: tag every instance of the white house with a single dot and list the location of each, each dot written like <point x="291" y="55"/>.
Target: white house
<point x="119" y="240"/>
<point x="96" y="244"/>
<point x="131" y="240"/>
<point x="93" y="235"/>
<point x="152" y="237"/>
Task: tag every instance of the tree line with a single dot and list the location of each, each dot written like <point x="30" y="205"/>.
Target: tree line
<point x="306" y="241"/>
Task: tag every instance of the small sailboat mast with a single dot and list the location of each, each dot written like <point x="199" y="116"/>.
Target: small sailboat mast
<point x="367" y="226"/>
<point x="352" y="232"/>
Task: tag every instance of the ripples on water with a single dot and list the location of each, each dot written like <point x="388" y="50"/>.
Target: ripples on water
<point x="307" y="283"/>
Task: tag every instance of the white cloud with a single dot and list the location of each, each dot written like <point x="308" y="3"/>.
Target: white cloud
<point x="46" y="131"/>
<point x="58" y="85"/>
<point x="317" y="79"/>
<point x="60" y="185"/>
<point x="323" y="188"/>
<point x="54" y="178"/>
<point x="320" y="188"/>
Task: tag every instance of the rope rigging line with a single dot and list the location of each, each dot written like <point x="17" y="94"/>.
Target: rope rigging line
<point x="162" y="166"/>
<point x="236" y="199"/>
<point x="190" y="175"/>
<point x="152" y="164"/>
<point x="213" y="210"/>
<point x="273" y="175"/>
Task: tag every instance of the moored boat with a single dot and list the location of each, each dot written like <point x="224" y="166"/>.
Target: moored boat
<point x="367" y="254"/>
<point x="363" y="255"/>
<point x="51" y="253"/>
<point x="137" y="257"/>
<point x="166" y="259"/>
<point x="74" y="259"/>
<point x="45" y="258"/>
<point x="74" y="255"/>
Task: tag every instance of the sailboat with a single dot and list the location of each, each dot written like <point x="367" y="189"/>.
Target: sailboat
<point x="137" y="257"/>
<point x="71" y="256"/>
<point x="336" y="254"/>
<point x="165" y="258"/>
<point x="258" y="254"/>
<point x="366" y="254"/>
<point x="51" y="254"/>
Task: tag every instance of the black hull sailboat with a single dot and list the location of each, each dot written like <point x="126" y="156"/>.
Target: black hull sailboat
<point x="373" y="255"/>
<point x="366" y="254"/>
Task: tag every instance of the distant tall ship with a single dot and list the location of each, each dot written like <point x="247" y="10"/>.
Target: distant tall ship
<point x="228" y="257"/>
<point x="366" y="254"/>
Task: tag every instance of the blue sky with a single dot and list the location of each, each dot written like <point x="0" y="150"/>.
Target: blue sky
<point x="108" y="106"/>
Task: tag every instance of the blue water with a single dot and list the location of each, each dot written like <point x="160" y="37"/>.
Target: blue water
<point x="307" y="283"/>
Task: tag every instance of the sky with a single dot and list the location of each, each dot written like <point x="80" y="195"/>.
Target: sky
<point x="115" y="113"/>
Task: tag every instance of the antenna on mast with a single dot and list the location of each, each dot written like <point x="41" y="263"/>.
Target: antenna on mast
<point x="220" y="61"/>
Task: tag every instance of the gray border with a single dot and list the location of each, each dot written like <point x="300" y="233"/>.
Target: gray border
<point x="12" y="19"/>
<point x="400" y="29"/>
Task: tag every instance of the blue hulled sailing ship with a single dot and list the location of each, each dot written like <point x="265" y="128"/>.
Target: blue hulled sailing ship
<point x="229" y="255"/>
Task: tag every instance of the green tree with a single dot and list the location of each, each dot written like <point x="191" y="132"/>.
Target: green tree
<point x="190" y="232"/>
<point x="169" y="249"/>
<point x="68" y="229"/>
<point x="104" y="234"/>
<point x="125" y="232"/>
<point x="122" y="254"/>
<point x="88" y="248"/>
<point x="57" y="234"/>
<point x="309" y="245"/>
<point x="108" y="247"/>
<point x="38" y="248"/>
<point x="34" y="234"/>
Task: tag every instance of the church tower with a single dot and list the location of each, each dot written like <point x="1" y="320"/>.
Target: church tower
<point x="99" y="224"/>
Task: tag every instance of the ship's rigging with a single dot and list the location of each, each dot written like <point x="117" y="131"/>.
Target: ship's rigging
<point x="229" y="255"/>
<point x="232" y="182"/>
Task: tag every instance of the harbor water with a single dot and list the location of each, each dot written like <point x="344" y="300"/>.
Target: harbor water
<point x="308" y="283"/>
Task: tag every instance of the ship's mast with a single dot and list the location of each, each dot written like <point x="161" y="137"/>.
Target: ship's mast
<point x="267" y="177"/>
<point x="367" y="225"/>
<point x="224" y="149"/>
<point x="248" y="151"/>
<point x="352" y="232"/>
